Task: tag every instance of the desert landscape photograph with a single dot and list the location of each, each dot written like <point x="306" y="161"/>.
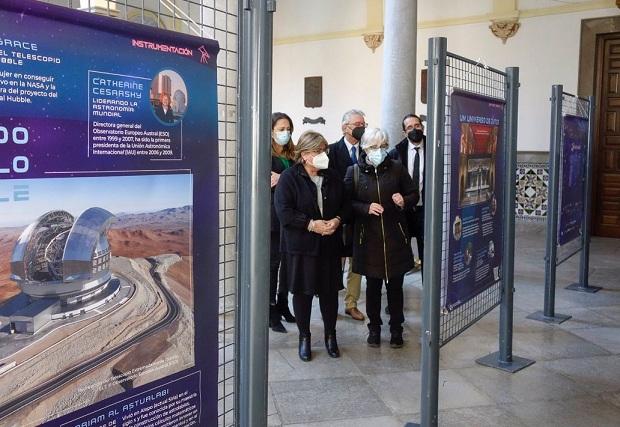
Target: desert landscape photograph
<point x="137" y="328"/>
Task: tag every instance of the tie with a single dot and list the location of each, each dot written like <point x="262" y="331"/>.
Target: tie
<point x="416" y="168"/>
<point x="354" y="155"/>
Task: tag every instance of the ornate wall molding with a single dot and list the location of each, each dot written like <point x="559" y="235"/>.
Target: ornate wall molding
<point x="373" y="40"/>
<point x="505" y="29"/>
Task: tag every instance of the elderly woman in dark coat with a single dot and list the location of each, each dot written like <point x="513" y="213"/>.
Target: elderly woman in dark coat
<point x="380" y="190"/>
<point x="310" y="203"/>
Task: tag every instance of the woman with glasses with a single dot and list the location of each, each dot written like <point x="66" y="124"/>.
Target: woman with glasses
<point x="381" y="189"/>
<point x="282" y="154"/>
<point x="309" y="201"/>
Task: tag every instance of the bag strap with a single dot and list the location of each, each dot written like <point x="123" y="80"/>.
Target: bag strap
<point x="356" y="177"/>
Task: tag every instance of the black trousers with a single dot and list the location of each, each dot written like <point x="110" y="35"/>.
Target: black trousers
<point x="302" y="305"/>
<point x="274" y="268"/>
<point x="395" y="302"/>
<point x="415" y="222"/>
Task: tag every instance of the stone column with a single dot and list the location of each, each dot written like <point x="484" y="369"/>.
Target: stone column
<point x="399" y="65"/>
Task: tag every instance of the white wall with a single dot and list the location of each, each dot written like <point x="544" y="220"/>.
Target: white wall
<point x="546" y="49"/>
<point x="295" y="18"/>
<point x="351" y="79"/>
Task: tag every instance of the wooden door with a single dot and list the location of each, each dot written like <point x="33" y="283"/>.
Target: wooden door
<point x="606" y="172"/>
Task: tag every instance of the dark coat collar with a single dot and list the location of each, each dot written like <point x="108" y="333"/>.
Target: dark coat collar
<point x="301" y="170"/>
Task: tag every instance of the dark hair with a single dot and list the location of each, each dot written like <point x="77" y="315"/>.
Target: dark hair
<point x="289" y="149"/>
<point x="277" y="116"/>
<point x="408" y="116"/>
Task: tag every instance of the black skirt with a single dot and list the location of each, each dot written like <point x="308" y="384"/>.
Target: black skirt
<point x="313" y="275"/>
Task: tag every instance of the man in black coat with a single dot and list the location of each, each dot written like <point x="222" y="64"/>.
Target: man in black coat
<point x="410" y="151"/>
<point x="343" y="154"/>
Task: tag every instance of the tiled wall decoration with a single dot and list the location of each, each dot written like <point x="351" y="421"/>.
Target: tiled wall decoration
<point x="532" y="186"/>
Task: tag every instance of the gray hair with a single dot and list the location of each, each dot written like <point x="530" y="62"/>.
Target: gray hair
<point x="372" y="136"/>
<point x="347" y="116"/>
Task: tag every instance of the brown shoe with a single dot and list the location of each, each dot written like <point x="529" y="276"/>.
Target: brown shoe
<point x="354" y="313"/>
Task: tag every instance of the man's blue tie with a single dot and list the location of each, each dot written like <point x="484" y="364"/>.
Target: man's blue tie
<point x="354" y="155"/>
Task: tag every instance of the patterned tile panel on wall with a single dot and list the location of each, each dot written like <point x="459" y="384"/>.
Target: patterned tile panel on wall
<point x="532" y="186"/>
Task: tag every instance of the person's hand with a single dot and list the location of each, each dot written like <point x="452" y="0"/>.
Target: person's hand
<point x="375" y="209"/>
<point x="321" y="227"/>
<point x="398" y="200"/>
<point x="333" y="224"/>
<point x="274" y="178"/>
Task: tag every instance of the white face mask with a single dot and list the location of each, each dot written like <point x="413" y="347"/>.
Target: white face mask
<point x="320" y="161"/>
<point x="283" y="137"/>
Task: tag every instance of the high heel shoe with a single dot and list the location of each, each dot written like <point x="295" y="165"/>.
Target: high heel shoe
<point x="305" y="353"/>
<point x="332" y="345"/>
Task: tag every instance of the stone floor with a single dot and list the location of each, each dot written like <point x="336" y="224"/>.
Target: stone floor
<point x="574" y="382"/>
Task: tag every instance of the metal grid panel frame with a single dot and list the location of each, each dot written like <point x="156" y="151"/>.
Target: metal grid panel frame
<point x="580" y="107"/>
<point x="475" y="77"/>
<point x="214" y="19"/>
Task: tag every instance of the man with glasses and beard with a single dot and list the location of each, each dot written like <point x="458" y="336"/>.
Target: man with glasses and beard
<point x="343" y="154"/>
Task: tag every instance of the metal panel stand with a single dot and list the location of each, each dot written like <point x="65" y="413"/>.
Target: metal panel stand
<point x="580" y="288"/>
<point x="557" y="318"/>
<point x="256" y="22"/>
<point x="433" y="226"/>
<point x="504" y="359"/>
<point x="584" y="267"/>
<point x="548" y="315"/>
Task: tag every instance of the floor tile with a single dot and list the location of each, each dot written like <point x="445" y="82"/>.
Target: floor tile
<point x="606" y="337"/>
<point x="285" y="364"/>
<point x="355" y="422"/>
<point x="553" y="344"/>
<point x="401" y="392"/>
<point x="569" y="413"/>
<point x="530" y="384"/>
<point x="374" y="361"/>
<point x="595" y="374"/>
<point x="312" y="400"/>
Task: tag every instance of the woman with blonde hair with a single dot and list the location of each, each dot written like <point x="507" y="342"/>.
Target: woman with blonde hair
<point x="310" y="204"/>
<point x="282" y="157"/>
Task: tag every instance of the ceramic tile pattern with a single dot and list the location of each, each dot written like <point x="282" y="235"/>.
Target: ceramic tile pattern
<point x="531" y="193"/>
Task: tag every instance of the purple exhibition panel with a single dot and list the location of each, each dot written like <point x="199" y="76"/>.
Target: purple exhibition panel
<point x="476" y="192"/>
<point x="108" y="221"/>
<point x="575" y="142"/>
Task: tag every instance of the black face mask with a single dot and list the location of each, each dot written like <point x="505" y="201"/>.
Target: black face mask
<point x="415" y="135"/>
<point x="358" y="132"/>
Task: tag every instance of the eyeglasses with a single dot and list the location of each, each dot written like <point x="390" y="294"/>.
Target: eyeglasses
<point x="357" y="125"/>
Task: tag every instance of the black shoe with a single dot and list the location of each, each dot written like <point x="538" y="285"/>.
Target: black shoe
<point x="274" y="320"/>
<point x="282" y="305"/>
<point x="332" y="345"/>
<point x="396" y="341"/>
<point x="305" y="353"/>
<point x="374" y="339"/>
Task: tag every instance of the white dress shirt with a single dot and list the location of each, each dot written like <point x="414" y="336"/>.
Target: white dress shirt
<point x="357" y="149"/>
